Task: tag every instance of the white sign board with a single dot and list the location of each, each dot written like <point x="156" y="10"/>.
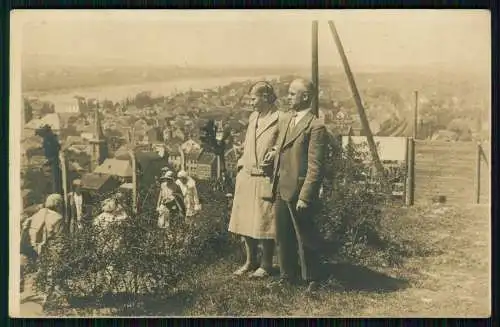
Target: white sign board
<point x="391" y="148"/>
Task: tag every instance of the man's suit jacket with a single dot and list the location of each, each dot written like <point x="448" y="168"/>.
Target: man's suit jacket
<point x="300" y="156"/>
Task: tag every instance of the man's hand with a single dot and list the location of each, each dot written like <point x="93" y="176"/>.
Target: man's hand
<point x="301" y="205"/>
<point x="25" y="223"/>
<point x="38" y="247"/>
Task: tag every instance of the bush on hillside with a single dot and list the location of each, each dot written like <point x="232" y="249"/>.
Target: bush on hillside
<point x="132" y="258"/>
<point x="351" y="213"/>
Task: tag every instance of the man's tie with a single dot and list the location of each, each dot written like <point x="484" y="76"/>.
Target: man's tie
<point x="294" y="117"/>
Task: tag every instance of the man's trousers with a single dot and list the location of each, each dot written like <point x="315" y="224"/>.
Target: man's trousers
<point x="297" y="240"/>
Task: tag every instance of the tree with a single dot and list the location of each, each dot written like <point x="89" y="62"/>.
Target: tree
<point x="462" y="127"/>
<point x="107" y="104"/>
<point x="143" y="99"/>
<point x="51" y="147"/>
<point x="47" y="108"/>
<point x="28" y="111"/>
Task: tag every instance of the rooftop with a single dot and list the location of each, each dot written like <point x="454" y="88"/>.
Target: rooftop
<point x="115" y="167"/>
<point x="93" y="181"/>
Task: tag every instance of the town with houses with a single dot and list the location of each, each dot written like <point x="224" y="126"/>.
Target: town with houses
<point x="165" y="129"/>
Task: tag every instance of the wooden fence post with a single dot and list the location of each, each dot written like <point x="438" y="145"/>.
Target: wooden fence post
<point x="477" y="189"/>
<point x="64" y="177"/>
<point x="183" y="158"/>
<point x="415" y="117"/>
<point x="410" y="178"/>
<point x="134" y="181"/>
<point x="314" y="68"/>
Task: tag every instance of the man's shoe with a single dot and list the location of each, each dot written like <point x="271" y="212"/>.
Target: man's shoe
<point x="246" y="268"/>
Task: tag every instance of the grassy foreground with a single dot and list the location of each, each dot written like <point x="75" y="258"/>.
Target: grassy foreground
<point x="443" y="271"/>
<point x="448" y="274"/>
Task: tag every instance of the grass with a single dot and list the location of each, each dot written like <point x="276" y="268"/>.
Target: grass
<point x="439" y="267"/>
<point x="445" y="273"/>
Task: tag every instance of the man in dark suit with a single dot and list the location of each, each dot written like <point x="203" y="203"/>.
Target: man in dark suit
<point x="78" y="207"/>
<point x="299" y="157"/>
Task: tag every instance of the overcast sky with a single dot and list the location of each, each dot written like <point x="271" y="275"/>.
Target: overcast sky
<point x="380" y="38"/>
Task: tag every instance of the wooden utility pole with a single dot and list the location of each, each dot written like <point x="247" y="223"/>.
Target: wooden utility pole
<point x="415" y="117"/>
<point x="64" y="177"/>
<point x="357" y="99"/>
<point x="477" y="189"/>
<point x="183" y="158"/>
<point x="219" y="168"/>
<point x="410" y="178"/>
<point x="134" y="180"/>
<point x="315" y="70"/>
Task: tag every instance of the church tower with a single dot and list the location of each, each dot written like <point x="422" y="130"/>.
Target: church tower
<point x="99" y="144"/>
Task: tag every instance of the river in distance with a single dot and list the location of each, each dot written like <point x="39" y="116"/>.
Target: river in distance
<point x="63" y="98"/>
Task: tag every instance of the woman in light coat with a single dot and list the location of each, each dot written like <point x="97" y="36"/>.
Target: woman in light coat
<point x="47" y="223"/>
<point x="190" y="193"/>
<point x="170" y="206"/>
<point x="44" y="229"/>
<point x="252" y="211"/>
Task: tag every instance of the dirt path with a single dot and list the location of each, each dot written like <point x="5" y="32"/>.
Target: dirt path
<point x="453" y="283"/>
<point x="31" y="303"/>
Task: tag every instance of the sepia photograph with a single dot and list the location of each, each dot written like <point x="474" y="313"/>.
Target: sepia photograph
<point x="237" y="163"/>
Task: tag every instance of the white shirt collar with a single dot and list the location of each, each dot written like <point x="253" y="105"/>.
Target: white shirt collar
<point x="301" y="114"/>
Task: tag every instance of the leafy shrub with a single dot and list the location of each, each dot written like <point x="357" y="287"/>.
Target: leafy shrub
<point x="134" y="257"/>
<point x="352" y="204"/>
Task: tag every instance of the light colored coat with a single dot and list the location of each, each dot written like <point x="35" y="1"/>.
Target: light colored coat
<point x="190" y="193"/>
<point x="44" y="225"/>
<point x="252" y="215"/>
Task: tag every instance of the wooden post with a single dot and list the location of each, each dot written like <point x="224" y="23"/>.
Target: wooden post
<point x="315" y="70"/>
<point x="134" y="181"/>
<point x="406" y="170"/>
<point x="477" y="189"/>
<point x="415" y="117"/>
<point x="350" y="144"/>
<point x="410" y="178"/>
<point x="183" y="159"/>
<point x="64" y="177"/>
<point x="357" y="99"/>
<point x="218" y="167"/>
<point x="129" y="136"/>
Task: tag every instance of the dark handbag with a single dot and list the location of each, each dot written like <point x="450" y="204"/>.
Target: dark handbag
<point x="266" y="190"/>
<point x="171" y="205"/>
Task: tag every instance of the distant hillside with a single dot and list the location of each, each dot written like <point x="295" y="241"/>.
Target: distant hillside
<point x="454" y="100"/>
<point x="48" y="73"/>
